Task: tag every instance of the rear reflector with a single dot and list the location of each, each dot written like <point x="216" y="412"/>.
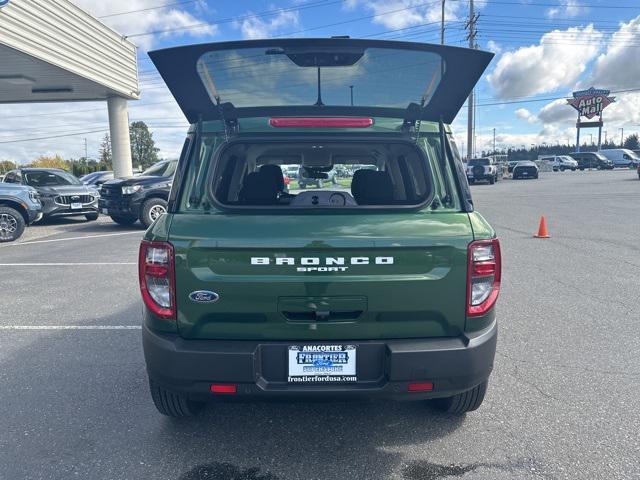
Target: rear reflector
<point x="421" y="387"/>
<point x="321" y="122"/>
<point x="224" y="389"/>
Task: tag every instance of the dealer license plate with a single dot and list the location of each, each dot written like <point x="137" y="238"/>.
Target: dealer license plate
<point x="322" y="363"/>
<point x="76" y="206"/>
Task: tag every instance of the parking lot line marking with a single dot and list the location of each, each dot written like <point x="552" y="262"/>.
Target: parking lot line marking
<point x="70" y="327"/>
<point x="101" y="264"/>
<point x="71" y="238"/>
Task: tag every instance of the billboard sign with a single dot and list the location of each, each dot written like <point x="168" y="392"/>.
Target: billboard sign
<point x="590" y="103"/>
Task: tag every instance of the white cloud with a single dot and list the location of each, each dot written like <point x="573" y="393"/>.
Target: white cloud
<point x="557" y="111"/>
<point x="619" y="66"/>
<point x="568" y="9"/>
<point x="494" y="47"/>
<point x="524" y="114"/>
<point x="147" y="21"/>
<point x="255" y="27"/>
<point x="395" y="14"/>
<point x="554" y="63"/>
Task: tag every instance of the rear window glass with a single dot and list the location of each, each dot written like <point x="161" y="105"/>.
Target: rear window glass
<point x="285" y="175"/>
<point x="383" y="77"/>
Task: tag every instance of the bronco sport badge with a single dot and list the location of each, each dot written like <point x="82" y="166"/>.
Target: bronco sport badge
<point x="329" y="264"/>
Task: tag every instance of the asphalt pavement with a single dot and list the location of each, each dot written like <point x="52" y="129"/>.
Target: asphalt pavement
<point x="563" y="400"/>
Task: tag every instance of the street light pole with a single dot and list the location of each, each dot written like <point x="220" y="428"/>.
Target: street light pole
<point x="621" y="136"/>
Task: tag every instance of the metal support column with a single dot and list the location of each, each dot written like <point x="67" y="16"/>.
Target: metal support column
<point x="120" y="141"/>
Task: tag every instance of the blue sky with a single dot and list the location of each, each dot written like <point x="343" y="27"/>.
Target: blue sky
<point x="544" y="50"/>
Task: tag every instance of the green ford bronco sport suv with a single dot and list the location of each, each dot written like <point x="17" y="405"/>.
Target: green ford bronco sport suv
<point x="383" y="284"/>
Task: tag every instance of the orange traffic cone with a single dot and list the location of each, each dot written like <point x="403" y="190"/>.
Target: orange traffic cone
<point x="542" y="229"/>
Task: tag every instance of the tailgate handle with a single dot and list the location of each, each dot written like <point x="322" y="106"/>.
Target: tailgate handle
<point x="322" y="316"/>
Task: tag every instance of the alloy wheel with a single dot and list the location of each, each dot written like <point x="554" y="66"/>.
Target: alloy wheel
<point x="8" y="225"/>
<point x="156" y="211"/>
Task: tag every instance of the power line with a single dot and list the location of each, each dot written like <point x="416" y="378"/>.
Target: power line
<point x="140" y="10"/>
<point x="265" y="13"/>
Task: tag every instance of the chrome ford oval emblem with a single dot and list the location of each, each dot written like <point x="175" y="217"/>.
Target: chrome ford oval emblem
<point x="204" y="296"/>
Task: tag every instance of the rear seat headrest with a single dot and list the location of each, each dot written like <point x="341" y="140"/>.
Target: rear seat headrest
<point x="370" y="187"/>
<point x="259" y="188"/>
<point x="276" y="172"/>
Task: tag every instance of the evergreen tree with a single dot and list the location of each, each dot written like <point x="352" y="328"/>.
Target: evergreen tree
<point x="631" y="142"/>
<point x="143" y="148"/>
<point x="104" y="154"/>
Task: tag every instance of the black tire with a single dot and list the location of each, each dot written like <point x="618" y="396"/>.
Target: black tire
<point x="471" y="181"/>
<point x="126" y="221"/>
<point x="173" y="404"/>
<point x="151" y="210"/>
<point x="12" y="224"/>
<point x="562" y="169"/>
<point x="302" y="185"/>
<point x="573" y="169"/>
<point x="91" y="217"/>
<point x="462" y="402"/>
<point x="492" y="180"/>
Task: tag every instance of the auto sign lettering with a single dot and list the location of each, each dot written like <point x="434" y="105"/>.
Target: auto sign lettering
<point x="590" y="103"/>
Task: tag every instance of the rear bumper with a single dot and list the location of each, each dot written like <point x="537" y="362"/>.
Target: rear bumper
<point x="384" y="368"/>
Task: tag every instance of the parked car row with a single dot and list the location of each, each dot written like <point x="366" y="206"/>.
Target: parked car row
<point x="28" y="195"/>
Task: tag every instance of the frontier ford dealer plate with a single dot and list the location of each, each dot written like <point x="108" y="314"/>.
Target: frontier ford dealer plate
<point x="322" y="363"/>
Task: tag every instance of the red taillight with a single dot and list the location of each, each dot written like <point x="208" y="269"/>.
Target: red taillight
<point x="224" y="389"/>
<point x="420" y="387"/>
<point x="156" y="270"/>
<point x="483" y="276"/>
<point x="321" y="122"/>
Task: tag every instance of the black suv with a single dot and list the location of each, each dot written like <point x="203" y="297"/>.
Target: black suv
<point x="592" y="160"/>
<point x="141" y="198"/>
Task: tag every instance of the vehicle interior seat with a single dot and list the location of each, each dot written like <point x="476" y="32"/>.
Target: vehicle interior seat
<point x="369" y="187"/>
<point x="259" y="188"/>
<point x="274" y="171"/>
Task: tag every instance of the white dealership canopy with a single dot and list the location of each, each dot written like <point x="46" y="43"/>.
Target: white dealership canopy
<point x="53" y="51"/>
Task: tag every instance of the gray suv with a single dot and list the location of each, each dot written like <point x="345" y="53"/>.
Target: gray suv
<point x="19" y="206"/>
<point x="61" y="193"/>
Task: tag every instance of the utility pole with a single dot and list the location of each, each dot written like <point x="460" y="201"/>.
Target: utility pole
<point x="470" y="101"/>
<point x="621" y="136"/>
<point x="86" y="152"/>
<point x="494" y="140"/>
<point x="442" y="25"/>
